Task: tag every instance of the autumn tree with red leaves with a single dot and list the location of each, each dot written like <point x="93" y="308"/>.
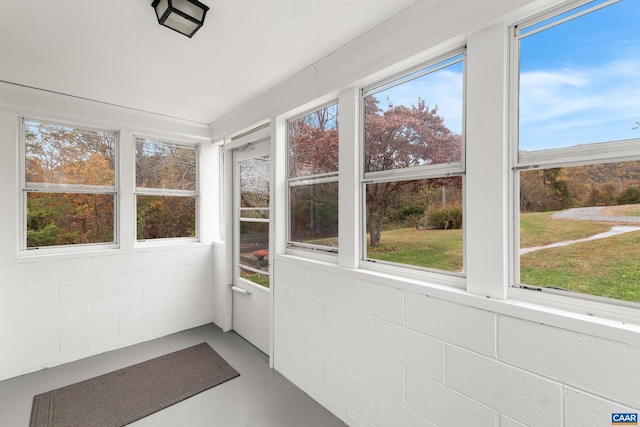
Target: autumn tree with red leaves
<point x="402" y="137"/>
<point x="313" y="156"/>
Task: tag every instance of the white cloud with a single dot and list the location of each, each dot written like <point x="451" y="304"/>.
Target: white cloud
<point x="572" y="106"/>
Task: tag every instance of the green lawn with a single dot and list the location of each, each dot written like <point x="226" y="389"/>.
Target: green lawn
<point x="539" y="229"/>
<point x="260" y="279"/>
<point x="623" y="210"/>
<point x="587" y="267"/>
<point x="437" y="249"/>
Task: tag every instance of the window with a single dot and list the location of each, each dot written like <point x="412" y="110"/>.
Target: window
<point x="69" y="185"/>
<point x="313" y="180"/>
<point x="577" y="166"/>
<point x="414" y="166"/>
<point x="166" y="189"/>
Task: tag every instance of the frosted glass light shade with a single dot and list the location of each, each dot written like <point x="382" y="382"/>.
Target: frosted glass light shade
<point x="183" y="16"/>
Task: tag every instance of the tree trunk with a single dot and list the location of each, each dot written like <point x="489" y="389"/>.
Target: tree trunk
<point x="374" y="225"/>
<point x="379" y="197"/>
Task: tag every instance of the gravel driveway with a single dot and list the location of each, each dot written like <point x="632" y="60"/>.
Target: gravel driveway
<point x="590" y="214"/>
<point x="595" y="213"/>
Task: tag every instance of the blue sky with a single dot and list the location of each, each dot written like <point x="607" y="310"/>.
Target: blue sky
<point x="579" y="82"/>
<point x="442" y="88"/>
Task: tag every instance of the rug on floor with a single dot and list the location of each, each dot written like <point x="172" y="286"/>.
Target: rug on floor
<point x="126" y="395"/>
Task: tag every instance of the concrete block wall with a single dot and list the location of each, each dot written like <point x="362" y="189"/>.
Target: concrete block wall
<point x="376" y="355"/>
<point x="56" y="311"/>
<point x="57" y="306"/>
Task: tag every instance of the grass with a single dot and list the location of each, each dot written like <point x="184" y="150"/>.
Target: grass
<point x="589" y="267"/>
<point x="623" y="210"/>
<point x="539" y="229"/>
<point x="436" y="249"/>
<point x="260" y="279"/>
<point x="605" y="267"/>
<point x="329" y="241"/>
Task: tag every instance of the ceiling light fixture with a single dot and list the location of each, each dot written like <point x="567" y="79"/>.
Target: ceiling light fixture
<point x="183" y="16"/>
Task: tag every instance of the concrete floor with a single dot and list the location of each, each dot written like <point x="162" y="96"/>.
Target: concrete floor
<point x="259" y="397"/>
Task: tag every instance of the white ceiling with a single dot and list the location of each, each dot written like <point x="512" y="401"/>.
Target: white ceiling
<point x="115" y="52"/>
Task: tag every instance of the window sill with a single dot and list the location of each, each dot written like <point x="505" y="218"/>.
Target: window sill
<point x="163" y="243"/>
<point x="79" y="250"/>
<point x="93" y="251"/>
<point x="313" y="255"/>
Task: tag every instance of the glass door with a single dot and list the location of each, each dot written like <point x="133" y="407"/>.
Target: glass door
<point x="252" y="194"/>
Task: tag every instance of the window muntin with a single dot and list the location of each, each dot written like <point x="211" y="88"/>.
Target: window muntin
<point x="577" y="166"/>
<point x="69" y="185"/>
<point x="254" y="198"/>
<point x="313" y="180"/>
<point x="413" y="162"/>
<point x="166" y="190"/>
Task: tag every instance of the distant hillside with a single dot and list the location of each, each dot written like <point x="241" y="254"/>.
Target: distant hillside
<point x="576" y="186"/>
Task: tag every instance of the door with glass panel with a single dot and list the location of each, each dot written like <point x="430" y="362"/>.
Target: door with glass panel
<point x="250" y="289"/>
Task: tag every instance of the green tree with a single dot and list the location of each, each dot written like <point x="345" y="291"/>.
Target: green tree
<point x="629" y="196"/>
<point x="71" y="157"/>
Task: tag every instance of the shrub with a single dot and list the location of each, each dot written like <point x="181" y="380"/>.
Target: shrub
<point x="410" y="211"/>
<point x="629" y="196"/>
<point x="397" y="216"/>
<point x="445" y="218"/>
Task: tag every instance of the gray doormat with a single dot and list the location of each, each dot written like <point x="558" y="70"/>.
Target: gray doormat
<point x="126" y="395"/>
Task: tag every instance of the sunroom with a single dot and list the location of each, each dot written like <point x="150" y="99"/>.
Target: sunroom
<point x="419" y="212"/>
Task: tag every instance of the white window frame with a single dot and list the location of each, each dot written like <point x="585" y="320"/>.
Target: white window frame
<point x="598" y="153"/>
<point x="300" y="247"/>
<point x="442" y="170"/>
<point x="166" y="192"/>
<point x="27" y="187"/>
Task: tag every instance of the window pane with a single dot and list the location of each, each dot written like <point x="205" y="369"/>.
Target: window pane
<point x="257" y="213"/>
<point x="580" y="229"/>
<point x="313" y="202"/>
<point x="57" y="154"/>
<point x="416" y="223"/>
<point x="313" y="143"/>
<point x="416" y="122"/>
<point x="255" y="176"/>
<point x="257" y="278"/>
<point x="163" y="165"/>
<point x="254" y="245"/>
<point x="162" y="217"/>
<point x="314" y="214"/>
<point x="69" y="219"/>
<point x="579" y="80"/>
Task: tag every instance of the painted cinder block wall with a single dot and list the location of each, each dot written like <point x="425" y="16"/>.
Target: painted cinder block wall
<point x="378" y="349"/>
<point x="53" y="312"/>
<point x="57" y="308"/>
<point x="378" y="355"/>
